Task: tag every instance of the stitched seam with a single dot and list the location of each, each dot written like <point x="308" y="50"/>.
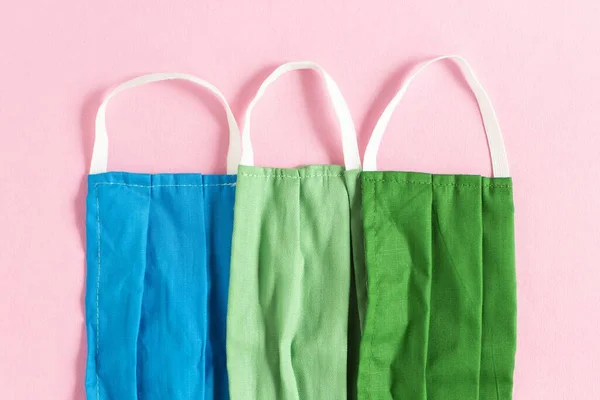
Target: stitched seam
<point x="205" y="332"/>
<point x="439" y="184"/>
<point x="153" y="186"/>
<point x="98" y="295"/>
<point x="376" y="302"/>
<point x="98" y="275"/>
<point x="293" y="177"/>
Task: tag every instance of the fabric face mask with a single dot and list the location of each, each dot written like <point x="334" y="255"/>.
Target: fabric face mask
<point x="297" y="235"/>
<point x="158" y="251"/>
<point x="441" y="316"/>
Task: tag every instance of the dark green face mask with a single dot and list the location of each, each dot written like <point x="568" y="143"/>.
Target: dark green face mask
<point x="440" y="266"/>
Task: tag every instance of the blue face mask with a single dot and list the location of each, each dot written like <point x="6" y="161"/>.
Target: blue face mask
<point x="158" y="250"/>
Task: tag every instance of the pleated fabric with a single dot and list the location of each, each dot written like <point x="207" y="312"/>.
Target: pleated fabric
<point x="440" y="266"/>
<point x="441" y="319"/>
<point x="158" y="252"/>
<point x="292" y="261"/>
<point x="293" y="323"/>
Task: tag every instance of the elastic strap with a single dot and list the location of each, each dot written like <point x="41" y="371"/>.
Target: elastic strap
<point x="349" y="141"/>
<point x="488" y="115"/>
<point x="100" y="155"/>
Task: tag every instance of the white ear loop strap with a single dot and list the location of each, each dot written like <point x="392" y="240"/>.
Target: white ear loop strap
<point x="488" y="115"/>
<point x="348" y="132"/>
<point x="100" y="154"/>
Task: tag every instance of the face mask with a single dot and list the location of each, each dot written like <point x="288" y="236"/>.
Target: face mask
<point x="158" y="251"/>
<point x="295" y="231"/>
<point x="441" y="316"/>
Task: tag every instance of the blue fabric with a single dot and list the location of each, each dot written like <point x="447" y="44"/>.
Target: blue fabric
<point x="158" y="251"/>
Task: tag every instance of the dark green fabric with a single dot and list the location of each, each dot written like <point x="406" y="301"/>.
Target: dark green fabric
<point x="499" y="293"/>
<point x="441" y="311"/>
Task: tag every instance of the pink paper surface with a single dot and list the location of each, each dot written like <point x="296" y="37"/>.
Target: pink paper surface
<point x="539" y="61"/>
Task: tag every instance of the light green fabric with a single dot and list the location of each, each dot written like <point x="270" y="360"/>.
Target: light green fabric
<point x="289" y="298"/>
<point x="441" y="314"/>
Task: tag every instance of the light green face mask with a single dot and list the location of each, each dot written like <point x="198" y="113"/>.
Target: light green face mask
<point x="441" y="314"/>
<point x="297" y="235"/>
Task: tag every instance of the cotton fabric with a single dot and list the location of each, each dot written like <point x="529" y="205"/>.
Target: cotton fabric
<point x="441" y="319"/>
<point x="293" y="325"/>
<point x="440" y="262"/>
<point x="158" y="249"/>
<point x="158" y="254"/>
<point x="292" y="261"/>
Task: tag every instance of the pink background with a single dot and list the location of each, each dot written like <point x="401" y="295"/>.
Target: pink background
<point x="539" y="61"/>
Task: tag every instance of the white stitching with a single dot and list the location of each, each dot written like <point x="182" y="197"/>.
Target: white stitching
<point x="292" y="176"/>
<point x="153" y="186"/>
<point x="98" y="296"/>
<point x="490" y="185"/>
<point x="99" y="262"/>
